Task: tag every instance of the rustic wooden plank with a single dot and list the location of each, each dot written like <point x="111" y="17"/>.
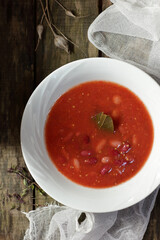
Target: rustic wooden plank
<point x="49" y="58"/>
<point x="16" y="85"/>
<point x="106" y="4"/>
<point x="153" y="230"/>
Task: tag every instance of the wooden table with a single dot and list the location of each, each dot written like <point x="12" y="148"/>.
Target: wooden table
<point x="21" y="70"/>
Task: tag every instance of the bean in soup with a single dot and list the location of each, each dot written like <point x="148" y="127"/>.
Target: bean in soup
<point x="99" y="134"/>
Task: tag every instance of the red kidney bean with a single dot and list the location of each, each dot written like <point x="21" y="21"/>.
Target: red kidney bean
<point x="131" y="160"/>
<point x="124" y="164"/>
<point x="119" y="162"/>
<point x="91" y="161"/>
<point x="125" y="148"/>
<point x="85" y="153"/>
<point x="106" y="169"/>
<point x="115" y="154"/>
<point x="86" y="139"/>
<point x="118" y="170"/>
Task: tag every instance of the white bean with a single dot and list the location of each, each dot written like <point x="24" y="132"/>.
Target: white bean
<point x="100" y="145"/>
<point x="116" y="99"/>
<point x="115" y="113"/>
<point x="134" y="139"/>
<point x="76" y="163"/>
<point x="115" y="143"/>
<point x="105" y="159"/>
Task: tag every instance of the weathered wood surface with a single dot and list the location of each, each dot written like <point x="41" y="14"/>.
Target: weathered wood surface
<point x="16" y="85"/>
<point x="153" y="229"/>
<point x="48" y="56"/>
<point x="22" y="69"/>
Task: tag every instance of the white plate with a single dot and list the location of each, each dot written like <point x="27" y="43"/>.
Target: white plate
<point x="33" y="145"/>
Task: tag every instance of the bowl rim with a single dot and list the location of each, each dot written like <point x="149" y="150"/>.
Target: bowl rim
<point x="131" y="201"/>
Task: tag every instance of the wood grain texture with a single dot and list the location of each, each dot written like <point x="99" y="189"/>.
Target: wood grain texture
<point x="153" y="229"/>
<point x="49" y="58"/>
<point x="106" y="4"/>
<point x="21" y="71"/>
<point x="16" y="85"/>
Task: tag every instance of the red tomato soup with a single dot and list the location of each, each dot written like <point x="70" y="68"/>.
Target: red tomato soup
<point x="99" y="134"/>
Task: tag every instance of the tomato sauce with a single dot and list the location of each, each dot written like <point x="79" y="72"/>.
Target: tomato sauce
<point x="91" y="156"/>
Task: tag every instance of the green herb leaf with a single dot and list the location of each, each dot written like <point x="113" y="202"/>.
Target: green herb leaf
<point x="24" y="192"/>
<point x="25" y="182"/>
<point x="104" y="121"/>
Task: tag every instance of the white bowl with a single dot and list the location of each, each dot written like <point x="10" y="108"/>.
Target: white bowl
<point x="33" y="145"/>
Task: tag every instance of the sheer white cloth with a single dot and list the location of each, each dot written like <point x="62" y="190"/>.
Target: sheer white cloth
<point x="61" y="223"/>
<point x="129" y="30"/>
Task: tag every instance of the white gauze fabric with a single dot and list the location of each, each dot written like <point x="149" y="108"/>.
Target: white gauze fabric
<point x="55" y="222"/>
<point x="129" y="30"/>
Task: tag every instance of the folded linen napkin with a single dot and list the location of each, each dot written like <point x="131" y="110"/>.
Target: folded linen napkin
<point x="128" y="30"/>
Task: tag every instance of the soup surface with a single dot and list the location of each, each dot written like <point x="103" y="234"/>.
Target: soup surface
<point x="99" y="134"/>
